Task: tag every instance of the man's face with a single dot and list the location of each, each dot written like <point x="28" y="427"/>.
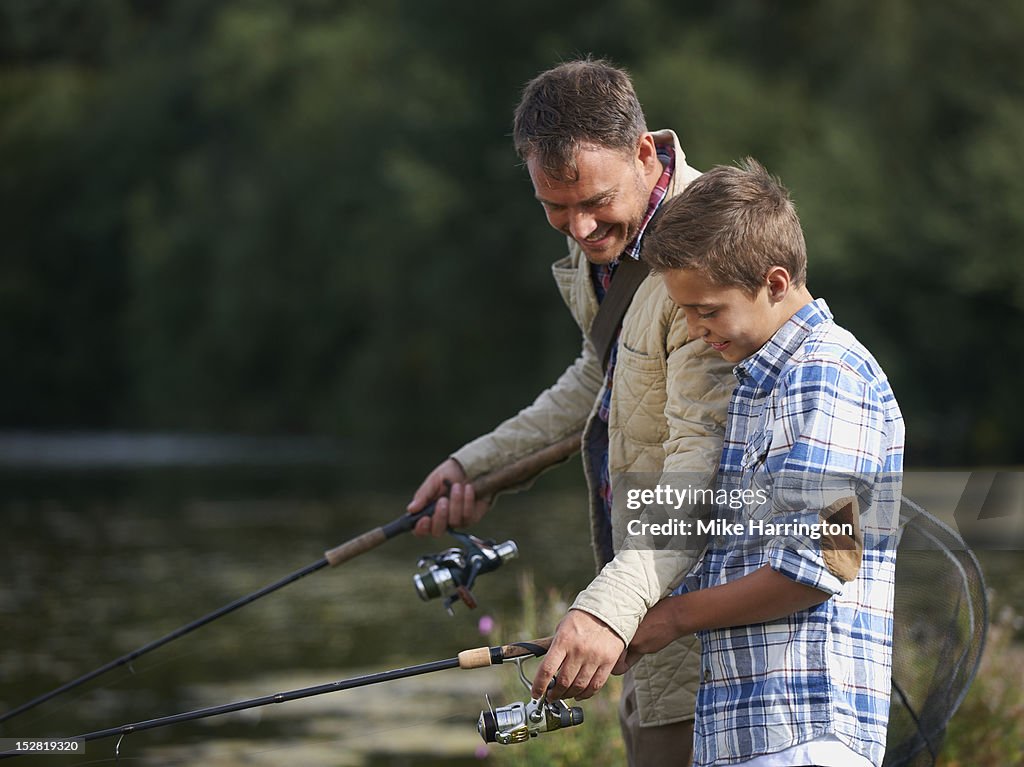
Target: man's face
<point x="734" y="323"/>
<point x="603" y="209"/>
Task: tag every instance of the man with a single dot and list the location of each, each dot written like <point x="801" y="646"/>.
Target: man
<point x="655" y="403"/>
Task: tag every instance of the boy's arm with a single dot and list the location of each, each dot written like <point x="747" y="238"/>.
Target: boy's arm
<point x="763" y="595"/>
<point x="833" y="425"/>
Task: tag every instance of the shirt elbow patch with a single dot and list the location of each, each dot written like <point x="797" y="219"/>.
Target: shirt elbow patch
<point x="842" y="544"/>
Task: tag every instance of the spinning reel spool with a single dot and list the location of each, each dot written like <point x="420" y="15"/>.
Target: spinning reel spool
<point x="453" y="572"/>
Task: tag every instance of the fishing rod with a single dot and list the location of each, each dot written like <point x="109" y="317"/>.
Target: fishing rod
<point x="444" y="575"/>
<point x="515" y="723"/>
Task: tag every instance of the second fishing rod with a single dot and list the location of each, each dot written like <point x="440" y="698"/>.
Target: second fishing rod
<point x="515" y="723"/>
<point x="450" y="573"/>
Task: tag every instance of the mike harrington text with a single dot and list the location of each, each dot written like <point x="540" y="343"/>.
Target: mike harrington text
<point x="721" y="527"/>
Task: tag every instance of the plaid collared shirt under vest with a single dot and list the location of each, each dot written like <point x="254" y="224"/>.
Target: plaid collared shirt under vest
<point x="813" y="418"/>
<point x="601" y="276"/>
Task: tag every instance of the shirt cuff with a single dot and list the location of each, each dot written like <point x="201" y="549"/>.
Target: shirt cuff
<point x="806" y="567"/>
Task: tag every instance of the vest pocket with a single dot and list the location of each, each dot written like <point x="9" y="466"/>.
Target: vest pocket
<point x="641" y="362"/>
<point x="639" y="398"/>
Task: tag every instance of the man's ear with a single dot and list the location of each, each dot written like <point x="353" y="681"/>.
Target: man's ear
<point x="778" y="282"/>
<point x="647" y="153"/>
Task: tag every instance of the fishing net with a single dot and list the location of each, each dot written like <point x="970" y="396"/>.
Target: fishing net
<point x="941" y="617"/>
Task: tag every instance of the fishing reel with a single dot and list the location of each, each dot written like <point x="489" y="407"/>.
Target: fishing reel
<point x="518" y="722"/>
<point x="452" y="572"/>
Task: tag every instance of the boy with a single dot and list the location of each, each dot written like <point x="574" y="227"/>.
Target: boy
<point x="795" y="615"/>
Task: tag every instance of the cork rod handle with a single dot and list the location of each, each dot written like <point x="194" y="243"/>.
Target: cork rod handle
<point x="481" y="657"/>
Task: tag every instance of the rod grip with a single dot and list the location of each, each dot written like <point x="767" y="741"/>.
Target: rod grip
<point x="355" y="547"/>
<point x="481" y="657"/>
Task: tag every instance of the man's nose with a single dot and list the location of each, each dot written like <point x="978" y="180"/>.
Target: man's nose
<point x="581" y="224"/>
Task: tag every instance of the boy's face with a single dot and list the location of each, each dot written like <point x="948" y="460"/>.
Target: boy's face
<point x="730" y="320"/>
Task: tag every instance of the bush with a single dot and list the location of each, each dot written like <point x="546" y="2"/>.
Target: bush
<point x="988" y="729"/>
<point x="597" y="741"/>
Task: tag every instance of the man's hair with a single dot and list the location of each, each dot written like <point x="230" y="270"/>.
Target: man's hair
<point x="731" y="224"/>
<point x="578" y="103"/>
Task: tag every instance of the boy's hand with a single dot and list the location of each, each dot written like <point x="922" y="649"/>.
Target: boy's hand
<point x="581" y="657"/>
<point x="660" y="627"/>
<point x="459" y="508"/>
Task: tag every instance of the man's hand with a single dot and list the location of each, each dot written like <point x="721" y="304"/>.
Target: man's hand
<point x="460" y="508"/>
<point x="581" y="656"/>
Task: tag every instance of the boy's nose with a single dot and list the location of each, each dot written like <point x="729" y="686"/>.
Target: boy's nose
<point x="694" y="326"/>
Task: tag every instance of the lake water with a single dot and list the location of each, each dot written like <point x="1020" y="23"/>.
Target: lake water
<point x="97" y="559"/>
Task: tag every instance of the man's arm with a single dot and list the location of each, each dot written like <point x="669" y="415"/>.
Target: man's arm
<point x="590" y="639"/>
<point x="558" y="411"/>
<point x="699" y="384"/>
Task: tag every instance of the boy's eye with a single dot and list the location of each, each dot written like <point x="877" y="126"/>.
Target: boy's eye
<point x="707" y="315"/>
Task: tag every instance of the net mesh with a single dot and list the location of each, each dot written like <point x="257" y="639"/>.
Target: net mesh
<point x="940" y="621"/>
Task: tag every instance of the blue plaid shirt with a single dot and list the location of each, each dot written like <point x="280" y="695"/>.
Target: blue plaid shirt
<point x="813" y="419"/>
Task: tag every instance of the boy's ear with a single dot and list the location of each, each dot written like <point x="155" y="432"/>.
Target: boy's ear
<point x="778" y="282"/>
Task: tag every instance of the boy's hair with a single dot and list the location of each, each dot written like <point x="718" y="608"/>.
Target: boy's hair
<point x="731" y="224"/>
<point x="587" y="101"/>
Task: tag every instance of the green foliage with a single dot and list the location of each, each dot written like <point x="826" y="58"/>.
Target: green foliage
<point x="597" y="741"/>
<point x="307" y="217"/>
<point x="988" y="729"/>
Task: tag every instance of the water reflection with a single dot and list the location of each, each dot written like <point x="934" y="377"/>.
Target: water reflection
<point x="94" y="565"/>
<point x="107" y="450"/>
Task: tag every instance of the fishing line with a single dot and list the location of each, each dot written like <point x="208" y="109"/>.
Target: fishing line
<point x="129" y="673"/>
<point x="307" y="740"/>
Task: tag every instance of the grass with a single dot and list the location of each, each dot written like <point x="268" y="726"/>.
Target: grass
<point x="597" y="741"/>
<point x="987" y="730"/>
